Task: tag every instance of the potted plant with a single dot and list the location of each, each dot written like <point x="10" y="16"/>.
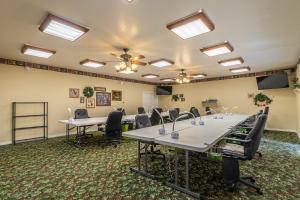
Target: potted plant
<point x="261" y="100"/>
<point x="175" y="97"/>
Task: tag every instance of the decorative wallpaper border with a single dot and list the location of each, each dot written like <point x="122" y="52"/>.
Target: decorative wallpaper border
<point x="69" y="71"/>
<point x="253" y="74"/>
<point x="92" y="74"/>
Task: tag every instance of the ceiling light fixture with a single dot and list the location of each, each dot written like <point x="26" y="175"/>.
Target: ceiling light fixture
<point x="183" y="77"/>
<point x="126" y="68"/>
<point x="240" y="69"/>
<point x="62" y="28"/>
<point x="217" y="49"/>
<point x="167" y="80"/>
<point x="150" y="76"/>
<point x="231" y="62"/>
<point x="130" y="1"/>
<point x="37" y="51"/>
<point x="198" y="76"/>
<point x="191" y="25"/>
<point x="163" y="62"/>
<point x="92" y="63"/>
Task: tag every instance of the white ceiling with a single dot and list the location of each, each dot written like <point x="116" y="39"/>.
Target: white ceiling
<point x="266" y="33"/>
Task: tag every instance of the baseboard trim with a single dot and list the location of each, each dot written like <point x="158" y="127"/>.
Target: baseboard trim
<point x="282" y="130"/>
<point x="5" y="143"/>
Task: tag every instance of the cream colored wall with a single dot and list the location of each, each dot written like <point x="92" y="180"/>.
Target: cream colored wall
<point x="18" y="84"/>
<point x="234" y="92"/>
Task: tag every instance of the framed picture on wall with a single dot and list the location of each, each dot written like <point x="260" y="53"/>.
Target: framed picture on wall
<point x="74" y="93"/>
<point x="103" y="99"/>
<point x="100" y="89"/>
<point x="90" y="103"/>
<point x="81" y="99"/>
<point x="116" y="95"/>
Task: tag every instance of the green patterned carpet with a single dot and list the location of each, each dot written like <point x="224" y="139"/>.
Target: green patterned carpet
<point x="56" y="170"/>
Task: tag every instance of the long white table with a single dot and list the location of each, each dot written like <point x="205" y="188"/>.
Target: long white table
<point x="198" y="138"/>
<point x="92" y="121"/>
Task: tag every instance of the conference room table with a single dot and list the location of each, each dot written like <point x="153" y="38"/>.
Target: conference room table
<point x="94" y="121"/>
<point x="192" y="137"/>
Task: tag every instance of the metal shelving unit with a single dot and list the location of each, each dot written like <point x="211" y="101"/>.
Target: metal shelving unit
<point x="44" y="117"/>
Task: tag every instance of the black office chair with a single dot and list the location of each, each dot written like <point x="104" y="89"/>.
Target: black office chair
<point x="177" y="109"/>
<point x="143" y="121"/>
<point x="112" y="130"/>
<point x="242" y="149"/>
<point x="122" y="110"/>
<point x="173" y="115"/>
<point x="141" y="110"/>
<point x="82" y="114"/>
<point x="195" y="112"/>
<point x="155" y="118"/>
<point x="266" y="110"/>
<point x="208" y="111"/>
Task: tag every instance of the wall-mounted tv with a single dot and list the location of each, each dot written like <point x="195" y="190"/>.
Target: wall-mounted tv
<point x="273" y="81"/>
<point x="164" y="90"/>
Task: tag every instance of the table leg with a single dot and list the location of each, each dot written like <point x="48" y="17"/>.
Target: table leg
<point x="187" y="169"/>
<point x="146" y="158"/>
<point x="139" y="155"/>
<point x="176" y="167"/>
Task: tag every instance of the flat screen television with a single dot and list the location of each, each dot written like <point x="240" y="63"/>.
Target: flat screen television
<point x="164" y="90"/>
<point x="273" y="81"/>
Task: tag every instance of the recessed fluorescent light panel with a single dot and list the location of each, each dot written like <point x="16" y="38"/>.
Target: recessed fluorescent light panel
<point x="62" y="28"/>
<point x="198" y="76"/>
<point x="92" y="63"/>
<point x="161" y="63"/>
<point x="37" y="51"/>
<point x="231" y="62"/>
<point x="150" y="76"/>
<point x="167" y="80"/>
<point x="217" y="49"/>
<point x="191" y="25"/>
<point x="240" y="69"/>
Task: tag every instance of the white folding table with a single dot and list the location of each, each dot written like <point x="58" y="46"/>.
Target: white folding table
<point x="198" y="138"/>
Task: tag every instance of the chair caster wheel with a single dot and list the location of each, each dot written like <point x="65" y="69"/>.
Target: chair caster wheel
<point x="232" y="187"/>
<point x="259" y="192"/>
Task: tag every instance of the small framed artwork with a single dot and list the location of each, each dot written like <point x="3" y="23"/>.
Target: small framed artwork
<point x="181" y="95"/>
<point x="81" y="99"/>
<point x="90" y="103"/>
<point x="116" y="95"/>
<point x="103" y="99"/>
<point x="100" y="89"/>
<point x="183" y="99"/>
<point x="74" y="93"/>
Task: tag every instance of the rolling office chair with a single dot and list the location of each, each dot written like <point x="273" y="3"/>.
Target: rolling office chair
<point x="143" y="121"/>
<point x="155" y="118"/>
<point x="266" y="110"/>
<point x="173" y="114"/>
<point x="141" y="110"/>
<point x="112" y="130"/>
<point x="242" y="149"/>
<point x="82" y="114"/>
<point x="122" y="110"/>
<point x="195" y="112"/>
<point x="177" y="109"/>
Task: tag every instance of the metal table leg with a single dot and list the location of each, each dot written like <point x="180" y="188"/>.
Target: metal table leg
<point x="143" y="172"/>
<point x="175" y="185"/>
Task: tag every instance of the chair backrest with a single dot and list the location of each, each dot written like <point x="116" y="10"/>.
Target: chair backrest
<point x="155" y="118"/>
<point x="81" y="114"/>
<point x="266" y="110"/>
<point x="141" y="110"/>
<point x="255" y="136"/>
<point x="208" y="111"/>
<point x="195" y="112"/>
<point x="177" y="109"/>
<point x="173" y="114"/>
<point x="113" y="124"/>
<point x="142" y="121"/>
<point x="121" y="110"/>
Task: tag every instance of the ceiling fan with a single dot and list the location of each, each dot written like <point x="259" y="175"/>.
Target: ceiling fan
<point x="127" y="63"/>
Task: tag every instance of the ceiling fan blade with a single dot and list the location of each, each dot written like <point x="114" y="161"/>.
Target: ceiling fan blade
<point x="138" y="57"/>
<point x="138" y="62"/>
